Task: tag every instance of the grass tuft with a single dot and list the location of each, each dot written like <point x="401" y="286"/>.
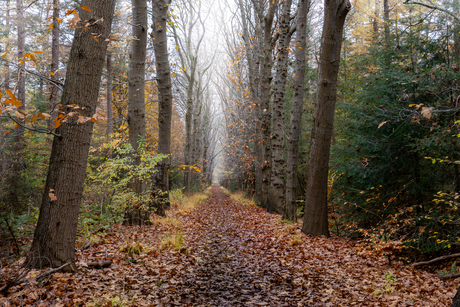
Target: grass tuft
<point x="296" y="239"/>
<point x="173" y="242"/>
<point x="240" y="197"/>
<point x="188" y="203"/>
<point x="132" y="248"/>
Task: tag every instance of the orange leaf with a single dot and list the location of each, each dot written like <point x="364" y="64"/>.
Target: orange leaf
<point x="57" y="123"/>
<point x="95" y="39"/>
<point x="85" y="8"/>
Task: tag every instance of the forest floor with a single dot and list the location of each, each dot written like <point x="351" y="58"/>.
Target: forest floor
<point x="225" y="253"/>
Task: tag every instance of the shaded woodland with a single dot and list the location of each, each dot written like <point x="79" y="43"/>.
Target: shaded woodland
<point x="336" y="118"/>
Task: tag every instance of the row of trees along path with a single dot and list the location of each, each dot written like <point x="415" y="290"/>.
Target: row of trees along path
<point x="233" y="254"/>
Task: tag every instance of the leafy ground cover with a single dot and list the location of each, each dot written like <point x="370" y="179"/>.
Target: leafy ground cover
<point x="224" y="253"/>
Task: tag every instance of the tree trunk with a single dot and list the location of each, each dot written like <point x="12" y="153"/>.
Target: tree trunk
<point x="386" y="18"/>
<point x="456" y="300"/>
<point x="265" y="80"/>
<point x="6" y="76"/>
<point x="136" y="104"/>
<point x="17" y="164"/>
<point x="54" y="238"/>
<point x="160" y="197"/>
<point x="188" y="127"/>
<point x="276" y="203"/>
<point x="109" y="98"/>
<point x="315" y="219"/>
<point x="54" y="62"/>
<point x="295" y="127"/>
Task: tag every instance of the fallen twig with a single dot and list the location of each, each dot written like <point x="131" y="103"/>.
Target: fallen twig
<point x="102" y="252"/>
<point x="450" y="276"/>
<point x="19" y="281"/>
<point x="100" y="264"/>
<point x="44" y="274"/>
<point x="435" y="260"/>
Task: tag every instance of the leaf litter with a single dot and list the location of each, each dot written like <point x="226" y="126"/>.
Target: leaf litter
<point x="230" y="255"/>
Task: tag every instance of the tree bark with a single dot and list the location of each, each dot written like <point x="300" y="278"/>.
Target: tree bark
<point x="276" y="203"/>
<point x="54" y="238"/>
<point x="160" y="197"/>
<point x="54" y="62"/>
<point x="456" y="300"/>
<point x="109" y="97"/>
<point x="6" y="76"/>
<point x="17" y="164"/>
<point x="295" y="126"/>
<point x="316" y="219"/>
<point x="188" y="127"/>
<point x="265" y="85"/>
<point x="136" y="104"/>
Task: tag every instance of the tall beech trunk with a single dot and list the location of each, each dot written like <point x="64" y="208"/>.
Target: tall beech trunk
<point x="276" y="203"/>
<point x="6" y="75"/>
<point x="136" y="103"/>
<point x="265" y="96"/>
<point x="295" y="127"/>
<point x="254" y="97"/>
<point x="386" y="19"/>
<point x="54" y="61"/>
<point x="315" y="219"/>
<point x="54" y="238"/>
<point x="160" y="197"/>
<point x="188" y="127"/>
<point x="17" y="163"/>
<point x="109" y="98"/>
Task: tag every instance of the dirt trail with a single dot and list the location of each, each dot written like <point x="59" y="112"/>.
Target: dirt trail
<point x="237" y="255"/>
<point x="243" y="256"/>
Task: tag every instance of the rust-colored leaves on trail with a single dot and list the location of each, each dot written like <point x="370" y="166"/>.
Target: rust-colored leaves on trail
<point x="235" y="255"/>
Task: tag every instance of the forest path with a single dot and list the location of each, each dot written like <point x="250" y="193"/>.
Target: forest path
<point x="244" y="256"/>
<point x="234" y="255"/>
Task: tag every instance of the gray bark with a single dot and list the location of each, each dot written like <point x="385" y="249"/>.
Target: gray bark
<point x="109" y="96"/>
<point x="160" y="197"/>
<point x="265" y="95"/>
<point x="276" y="203"/>
<point x="295" y="127"/>
<point x="136" y="102"/>
<point x="54" y="61"/>
<point x="316" y="212"/>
